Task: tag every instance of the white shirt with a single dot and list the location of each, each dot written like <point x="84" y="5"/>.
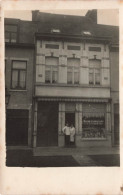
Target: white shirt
<point x="66" y="130"/>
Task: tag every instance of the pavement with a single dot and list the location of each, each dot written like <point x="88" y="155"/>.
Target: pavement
<point x="62" y="157"/>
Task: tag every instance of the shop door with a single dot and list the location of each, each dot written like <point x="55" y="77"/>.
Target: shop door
<point x="47" y="124"/>
<point x="17" y="128"/>
<point x="70" y="118"/>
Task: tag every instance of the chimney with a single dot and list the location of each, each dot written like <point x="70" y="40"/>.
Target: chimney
<point x="92" y="14"/>
<point x="35" y="15"/>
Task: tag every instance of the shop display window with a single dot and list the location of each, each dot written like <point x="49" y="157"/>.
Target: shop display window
<point x="93" y="125"/>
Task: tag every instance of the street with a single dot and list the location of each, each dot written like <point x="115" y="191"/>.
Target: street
<point x="25" y="158"/>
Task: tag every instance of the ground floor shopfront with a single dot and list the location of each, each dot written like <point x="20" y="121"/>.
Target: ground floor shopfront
<point x="91" y="118"/>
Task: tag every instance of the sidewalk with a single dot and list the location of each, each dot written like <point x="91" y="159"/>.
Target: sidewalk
<point x="62" y="157"/>
<point x="58" y="151"/>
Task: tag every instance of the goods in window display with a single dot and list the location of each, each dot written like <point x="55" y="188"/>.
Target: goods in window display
<point x="93" y="126"/>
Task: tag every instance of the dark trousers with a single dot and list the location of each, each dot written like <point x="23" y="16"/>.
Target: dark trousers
<point x="67" y="140"/>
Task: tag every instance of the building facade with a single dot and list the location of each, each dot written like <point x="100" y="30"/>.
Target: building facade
<point x="68" y="80"/>
<point x="19" y="66"/>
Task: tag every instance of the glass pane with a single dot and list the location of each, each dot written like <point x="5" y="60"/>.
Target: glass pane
<point x="7" y="37"/>
<point x="13" y="37"/>
<point x="76" y="77"/>
<point x="14" y="78"/>
<point x="47" y="76"/>
<point x="91" y="78"/>
<point x="93" y="125"/>
<point x="97" y="78"/>
<point x="22" y="82"/>
<point x="54" y="77"/>
<point x="69" y="77"/>
<point x="11" y="28"/>
<point x="19" y="64"/>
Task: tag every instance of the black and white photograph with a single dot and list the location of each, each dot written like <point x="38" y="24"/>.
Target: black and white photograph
<point x="62" y="88"/>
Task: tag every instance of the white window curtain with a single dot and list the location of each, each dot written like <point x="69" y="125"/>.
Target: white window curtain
<point x="14" y="79"/>
<point x="22" y="79"/>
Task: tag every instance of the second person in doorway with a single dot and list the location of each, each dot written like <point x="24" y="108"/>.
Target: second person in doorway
<point x="72" y="136"/>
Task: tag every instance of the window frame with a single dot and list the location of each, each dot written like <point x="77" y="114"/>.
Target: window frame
<point x="94" y="73"/>
<point x="51" y="74"/>
<point x="10" y="33"/>
<point x="19" y="70"/>
<point x="89" y="128"/>
<point x="74" y="70"/>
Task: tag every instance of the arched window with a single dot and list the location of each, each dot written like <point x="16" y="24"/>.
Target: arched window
<point x="51" y="69"/>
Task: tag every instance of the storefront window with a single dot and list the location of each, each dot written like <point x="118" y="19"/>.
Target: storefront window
<point x="93" y="125"/>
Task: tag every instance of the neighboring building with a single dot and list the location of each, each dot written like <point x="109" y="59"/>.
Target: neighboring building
<point x="69" y="78"/>
<point x="19" y="68"/>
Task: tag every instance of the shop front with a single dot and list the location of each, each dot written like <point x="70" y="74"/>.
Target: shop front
<point x="91" y="119"/>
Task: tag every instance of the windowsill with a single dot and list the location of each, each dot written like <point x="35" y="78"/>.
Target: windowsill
<point x="71" y="85"/>
<point x="18" y="90"/>
<point x="93" y="139"/>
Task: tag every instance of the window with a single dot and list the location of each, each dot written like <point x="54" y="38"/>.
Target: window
<point x="98" y="49"/>
<point x="73" y="47"/>
<point x="73" y="70"/>
<point x="93" y="125"/>
<point x="93" y="120"/>
<point x="11" y="33"/>
<point x="52" y="46"/>
<point x="18" y="75"/>
<point x="94" y="72"/>
<point x="51" y="70"/>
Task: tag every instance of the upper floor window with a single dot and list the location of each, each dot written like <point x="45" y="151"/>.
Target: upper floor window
<point x="73" y="47"/>
<point x="52" y="46"/>
<point x="51" y="69"/>
<point x="10" y="33"/>
<point x="97" y="49"/>
<point x="18" y="74"/>
<point x="73" y="70"/>
<point x="94" y="71"/>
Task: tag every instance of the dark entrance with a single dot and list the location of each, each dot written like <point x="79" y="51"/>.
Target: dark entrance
<point x="17" y="127"/>
<point x="70" y="118"/>
<point x="47" y="124"/>
<point x="116" y="124"/>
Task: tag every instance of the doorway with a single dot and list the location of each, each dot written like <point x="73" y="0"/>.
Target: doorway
<point x="47" y="124"/>
<point x="70" y="118"/>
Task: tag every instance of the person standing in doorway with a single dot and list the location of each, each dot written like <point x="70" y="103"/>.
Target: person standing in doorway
<point x="66" y="131"/>
<point x="72" y="135"/>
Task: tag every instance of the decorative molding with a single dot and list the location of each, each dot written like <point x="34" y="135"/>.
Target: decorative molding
<point x="84" y="66"/>
<point x="40" y="64"/>
<point x="62" y="55"/>
<point x="105" y="58"/>
<point x="85" y="57"/>
<point x="40" y="54"/>
<point x="63" y="65"/>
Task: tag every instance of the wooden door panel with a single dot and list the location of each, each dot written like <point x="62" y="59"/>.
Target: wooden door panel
<point x="47" y="124"/>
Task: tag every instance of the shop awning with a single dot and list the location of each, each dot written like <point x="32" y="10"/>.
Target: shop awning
<point x="69" y="99"/>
